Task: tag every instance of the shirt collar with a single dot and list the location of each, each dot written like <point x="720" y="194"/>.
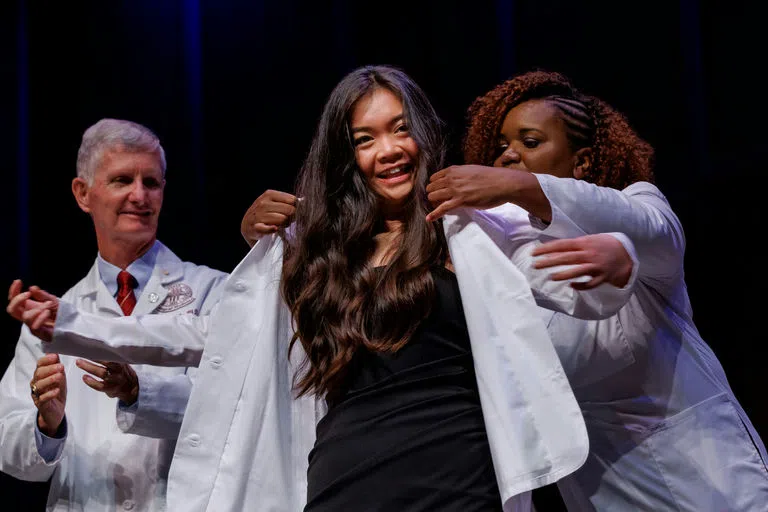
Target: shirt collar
<point x="141" y="270"/>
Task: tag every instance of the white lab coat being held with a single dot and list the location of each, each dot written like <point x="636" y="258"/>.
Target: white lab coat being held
<point x="245" y="439"/>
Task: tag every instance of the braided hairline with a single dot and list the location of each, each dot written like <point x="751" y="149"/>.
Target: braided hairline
<point x="619" y="156"/>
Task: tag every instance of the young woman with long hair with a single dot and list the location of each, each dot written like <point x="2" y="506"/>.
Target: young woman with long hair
<point x="365" y="358"/>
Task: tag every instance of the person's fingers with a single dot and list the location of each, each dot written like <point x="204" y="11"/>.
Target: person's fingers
<point x="282" y="197"/>
<point x="28" y="314"/>
<point x="48" y="396"/>
<point x="14" y="289"/>
<point x="282" y="208"/>
<point x="32" y="315"/>
<point x="48" y="359"/>
<point x="593" y="283"/>
<point x="564" y="245"/>
<point x="274" y="219"/>
<point x="572" y="272"/>
<point x="111" y="365"/>
<point x="561" y="258"/>
<point x="116" y="372"/>
<point x="40" y="320"/>
<point x="439" y="196"/>
<point x="15" y="306"/>
<point x="92" y="383"/>
<point x="52" y="381"/>
<point x="439" y="175"/>
<point x="442" y="209"/>
<point x="437" y="183"/>
<point x="265" y="229"/>
<point x="92" y="368"/>
<point x="271" y="196"/>
<point x="41" y="295"/>
<point x="42" y="372"/>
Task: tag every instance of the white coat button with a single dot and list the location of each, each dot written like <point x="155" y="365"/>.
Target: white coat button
<point x="240" y="285"/>
<point x="128" y="505"/>
<point x="153" y="297"/>
<point x="216" y="361"/>
<point x="193" y="440"/>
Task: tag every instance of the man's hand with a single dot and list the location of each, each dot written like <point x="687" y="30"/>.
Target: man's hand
<point x="117" y="380"/>
<point x="271" y="211"/>
<point x="35" y="307"/>
<point x="49" y="393"/>
<point x="601" y="256"/>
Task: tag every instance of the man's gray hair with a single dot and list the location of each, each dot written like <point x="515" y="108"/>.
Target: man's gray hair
<point x="114" y="134"/>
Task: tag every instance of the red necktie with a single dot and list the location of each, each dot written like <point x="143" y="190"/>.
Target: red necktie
<point x="125" y="297"/>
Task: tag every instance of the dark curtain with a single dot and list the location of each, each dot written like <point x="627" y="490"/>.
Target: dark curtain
<point x="234" y="89"/>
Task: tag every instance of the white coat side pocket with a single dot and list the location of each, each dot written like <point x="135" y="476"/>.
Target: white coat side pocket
<point x="708" y="459"/>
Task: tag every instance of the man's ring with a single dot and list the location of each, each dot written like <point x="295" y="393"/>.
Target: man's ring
<point x="33" y="389"/>
<point x="107" y="374"/>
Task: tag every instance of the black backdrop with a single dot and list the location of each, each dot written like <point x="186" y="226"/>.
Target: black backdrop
<point x="234" y="88"/>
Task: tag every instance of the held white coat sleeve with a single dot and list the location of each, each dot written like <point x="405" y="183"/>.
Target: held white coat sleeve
<point x="509" y="227"/>
<point x="640" y="211"/>
<point x="160" y="340"/>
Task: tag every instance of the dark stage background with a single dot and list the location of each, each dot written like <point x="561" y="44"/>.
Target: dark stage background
<point x="234" y="89"/>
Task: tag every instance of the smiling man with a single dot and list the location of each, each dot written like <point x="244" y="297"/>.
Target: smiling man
<point x="93" y="463"/>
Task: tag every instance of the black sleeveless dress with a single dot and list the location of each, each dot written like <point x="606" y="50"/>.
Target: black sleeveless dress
<point x="408" y="434"/>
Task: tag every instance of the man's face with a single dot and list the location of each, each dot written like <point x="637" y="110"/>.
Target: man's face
<point x="125" y="197"/>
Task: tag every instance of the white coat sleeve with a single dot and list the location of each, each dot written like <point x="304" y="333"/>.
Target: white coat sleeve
<point x="160" y="406"/>
<point x="640" y="211"/>
<point x="600" y="302"/>
<point x="19" y="456"/>
<point x="160" y="340"/>
<point x="162" y="400"/>
<point x="509" y="227"/>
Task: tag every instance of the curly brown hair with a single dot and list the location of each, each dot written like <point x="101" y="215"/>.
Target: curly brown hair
<point x="619" y="156"/>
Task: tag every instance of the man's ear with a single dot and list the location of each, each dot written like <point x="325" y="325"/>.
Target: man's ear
<point x="80" y="190"/>
<point x="582" y="163"/>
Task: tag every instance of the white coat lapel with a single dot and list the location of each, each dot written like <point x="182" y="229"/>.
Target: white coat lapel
<point x="152" y="296"/>
<point x="105" y="302"/>
<point x="165" y="291"/>
<point x="534" y="424"/>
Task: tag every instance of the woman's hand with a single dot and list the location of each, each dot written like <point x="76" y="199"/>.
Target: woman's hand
<point x="601" y="256"/>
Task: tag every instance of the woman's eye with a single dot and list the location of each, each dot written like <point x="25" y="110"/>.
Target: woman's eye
<point x="530" y="143"/>
<point x="402" y="128"/>
<point x="361" y="140"/>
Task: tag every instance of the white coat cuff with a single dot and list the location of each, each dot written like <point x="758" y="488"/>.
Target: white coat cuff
<point x="630" y="248"/>
<point x="126" y="414"/>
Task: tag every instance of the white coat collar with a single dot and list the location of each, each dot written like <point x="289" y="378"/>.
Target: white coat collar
<point x="168" y="269"/>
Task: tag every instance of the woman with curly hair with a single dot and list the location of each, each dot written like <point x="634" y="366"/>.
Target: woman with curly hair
<point x="665" y="429"/>
<point x="366" y="359"/>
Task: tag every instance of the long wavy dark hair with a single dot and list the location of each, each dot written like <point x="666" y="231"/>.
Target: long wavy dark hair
<point x="339" y="303"/>
<point x="620" y="156"/>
